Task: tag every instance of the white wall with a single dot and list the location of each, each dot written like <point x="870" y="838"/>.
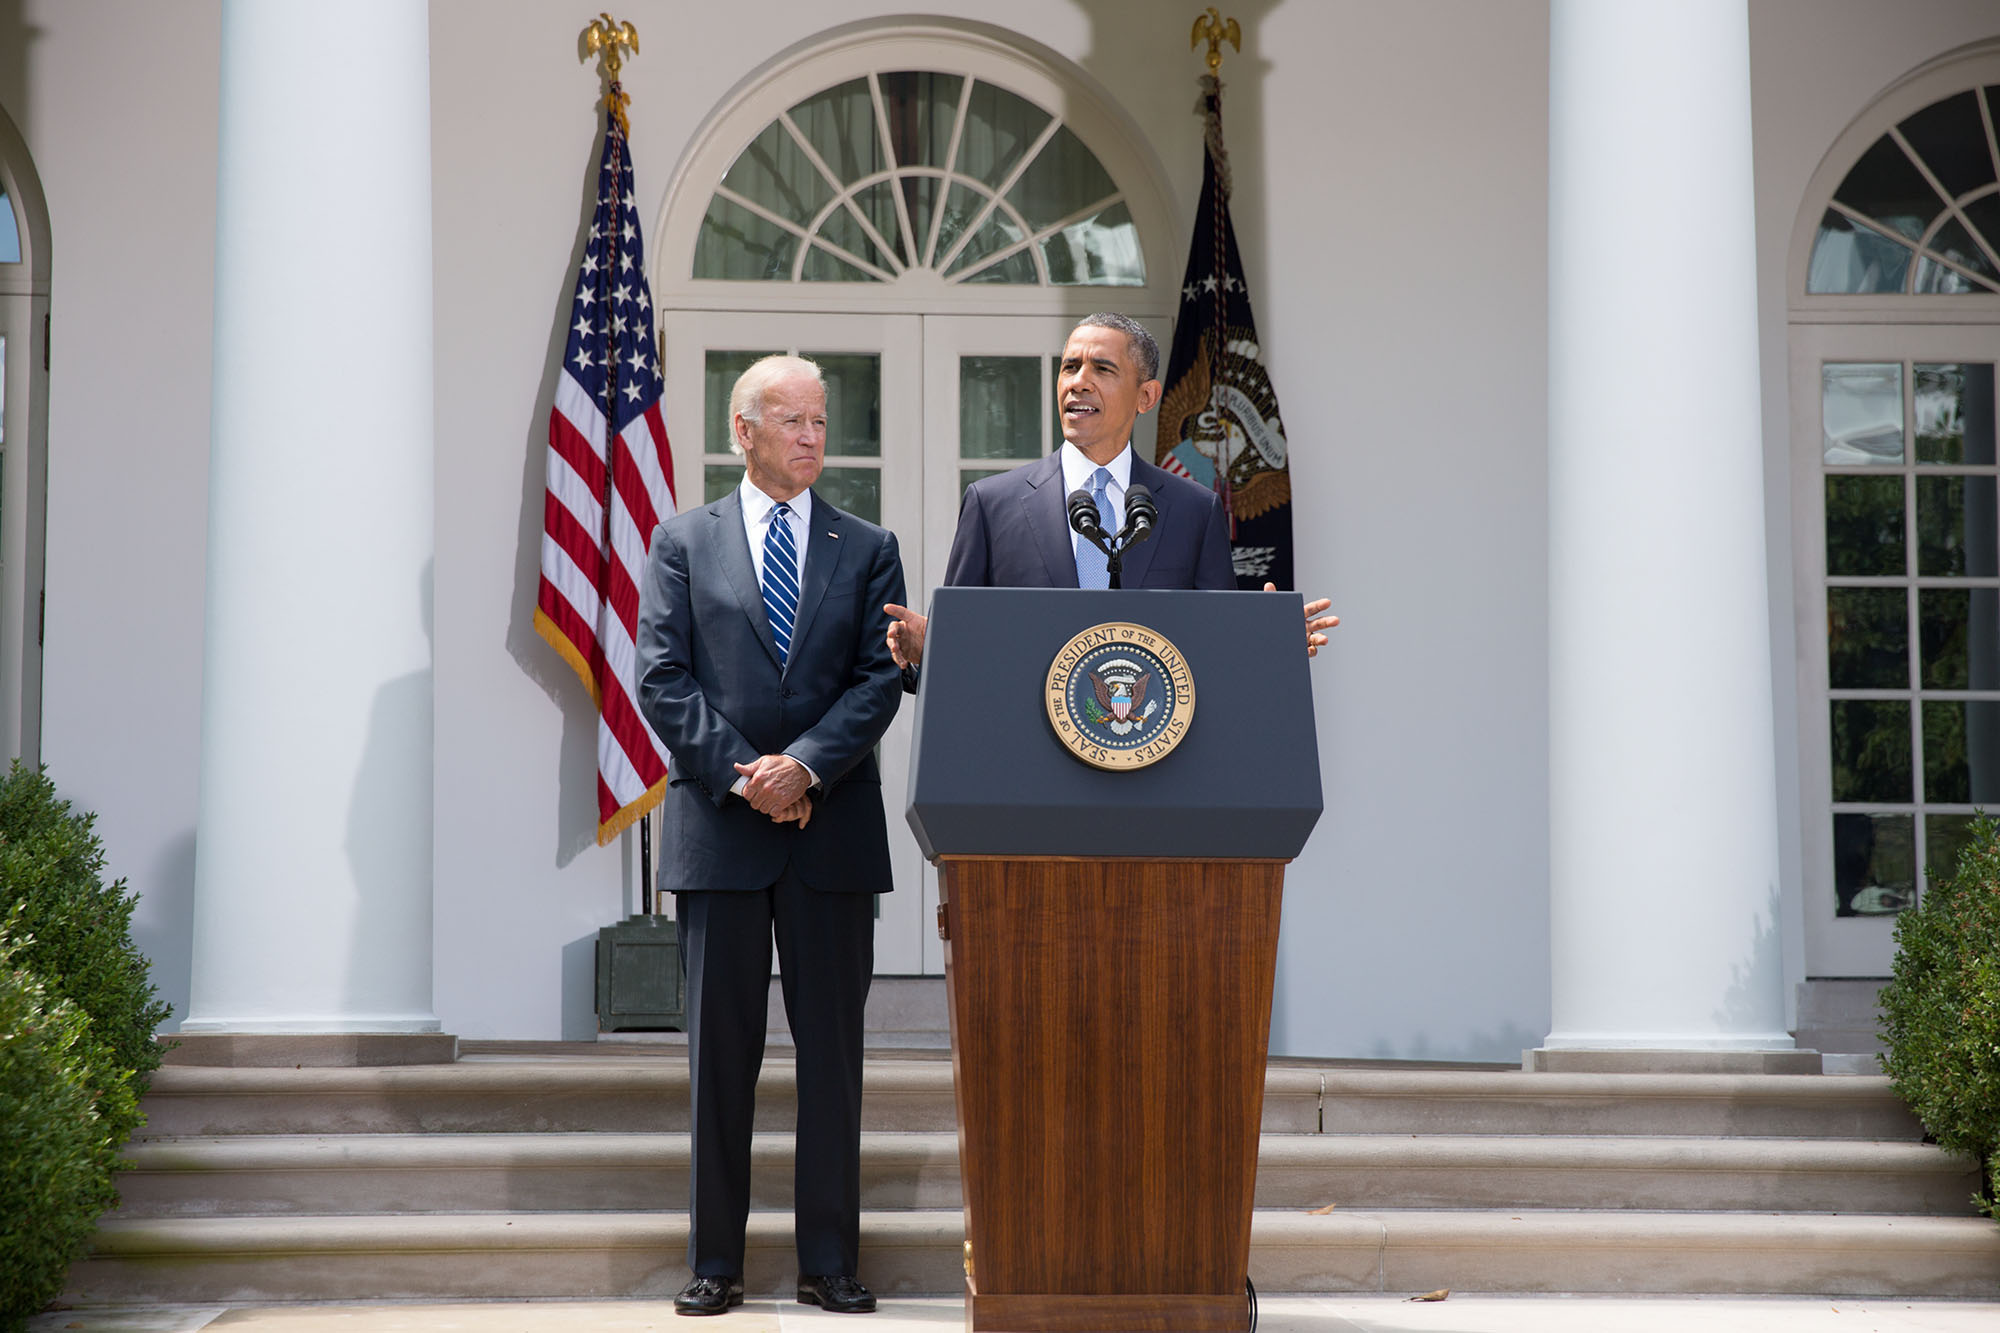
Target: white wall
<point x="1391" y="176"/>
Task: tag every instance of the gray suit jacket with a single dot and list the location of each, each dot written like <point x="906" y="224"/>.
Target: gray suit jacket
<point x="711" y="686"/>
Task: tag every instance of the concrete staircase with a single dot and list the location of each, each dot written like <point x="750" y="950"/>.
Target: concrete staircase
<point x="517" y="1175"/>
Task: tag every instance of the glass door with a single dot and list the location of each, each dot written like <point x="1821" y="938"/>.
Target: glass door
<point x="1898" y="546"/>
<point x="874" y="469"/>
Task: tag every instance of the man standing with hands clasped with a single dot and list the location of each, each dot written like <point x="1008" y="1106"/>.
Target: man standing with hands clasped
<point x="764" y="666"/>
<point x="1013" y="529"/>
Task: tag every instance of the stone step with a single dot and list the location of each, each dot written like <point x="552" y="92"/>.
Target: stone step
<point x="392" y="1173"/>
<point x="614" y="1254"/>
<point x="649" y="1095"/>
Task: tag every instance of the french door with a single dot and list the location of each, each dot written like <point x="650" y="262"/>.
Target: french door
<point x="919" y="407"/>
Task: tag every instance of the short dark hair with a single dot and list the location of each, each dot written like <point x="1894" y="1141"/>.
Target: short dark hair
<point x="1145" y="350"/>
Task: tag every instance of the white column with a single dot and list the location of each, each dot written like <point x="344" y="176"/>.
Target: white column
<point x="313" y="861"/>
<point x="1663" y="824"/>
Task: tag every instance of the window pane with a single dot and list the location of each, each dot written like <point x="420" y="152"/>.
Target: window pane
<point x="920" y="107"/>
<point x="1955" y="526"/>
<point x="1985" y="214"/>
<point x="1961" y="751"/>
<point x="1935" y="279"/>
<point x="1954" y="405"/>
<point x="1871" y="750"/>
<point x="1958" y="632"/>
<point x="1951" y="140"/>
<point x="1955" y="243"/>
<point x="775" y="172"/>
<point x="1885" y="186"/>
<point x="920" y="197"/>
<point x="999" y="407"/>
<point x="10" y="232"/>
<point x="855" y="489"/>
<point x="1064" y="178"/>
<point x="1847" y="257"/>
<point x="719" y="479"/>
<point x="1864" y="525"/>
<point x="736" y="244"/>
<point x="878" y="204"/>
<point x="1945" y="839"/>
<point x="845" y="230"/>
<point x="720" y="372"/>
<point x="1055" y="402"/>
<point x="853" y="403"/>
<point x="1017" y="268"/>
<point x="1874" y="864"/>
<point x="1861" y="411"/>
<point x="961" y="206"/>
<point x="1100" y="251"/>
<point x="998" y="128"/>
<point x="840" y="125"/>
<point x="822" y="265"/>
<point x="1867" y="639"/>
<point x="996" y="233"/>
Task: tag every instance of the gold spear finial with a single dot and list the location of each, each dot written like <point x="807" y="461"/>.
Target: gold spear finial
<point x="603" y="38"/>
<point x="1217" y="30"/>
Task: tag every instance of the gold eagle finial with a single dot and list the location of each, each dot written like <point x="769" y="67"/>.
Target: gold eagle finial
<point x="1217" y="30"/>
<point x="607" y="35"/>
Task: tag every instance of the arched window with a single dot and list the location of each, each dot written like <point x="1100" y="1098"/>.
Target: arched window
<point x="1895" y="336"/>
<point x="925" y="208"/>
<point x="1920" y="211"/>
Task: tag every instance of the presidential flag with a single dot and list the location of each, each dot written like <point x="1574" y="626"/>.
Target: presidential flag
<point x="610" y="482"/>
<point x="1219" y="421"/>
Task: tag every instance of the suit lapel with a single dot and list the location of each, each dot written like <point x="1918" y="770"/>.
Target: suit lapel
<point x="1140" y="559"/>
<point x="732" y="549"/>
<point x="1048" y="521"/>
<point x="823" y="543"/>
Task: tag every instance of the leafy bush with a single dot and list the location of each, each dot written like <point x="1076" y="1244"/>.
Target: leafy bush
<point x="76" y="934"/>
<point x="56" y="1152"/>
<point x="1941" y="1010"/>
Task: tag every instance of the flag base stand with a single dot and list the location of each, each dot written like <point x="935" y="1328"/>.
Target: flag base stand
<point x="641" y="986"/>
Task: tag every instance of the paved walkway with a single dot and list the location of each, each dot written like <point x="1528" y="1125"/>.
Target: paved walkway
<point x="1279" y="1314"/>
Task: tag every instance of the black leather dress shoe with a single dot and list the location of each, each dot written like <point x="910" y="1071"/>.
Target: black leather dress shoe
<point x="709" y="1295"/>
<point x="838" y="1292"/>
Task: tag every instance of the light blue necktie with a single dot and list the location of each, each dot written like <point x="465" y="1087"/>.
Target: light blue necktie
<point x="781" y="579"/>
<point x="1091" y="569"/>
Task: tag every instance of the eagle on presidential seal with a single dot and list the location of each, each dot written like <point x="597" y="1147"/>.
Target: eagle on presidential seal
<point x="1121" y="696"/>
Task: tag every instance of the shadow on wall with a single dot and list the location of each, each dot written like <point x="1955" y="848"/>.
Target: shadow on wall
<point x="576" y="782"/>
<point x="163" y="923"/>
<point x="1502" y="1045"/>
<point x="15" y="36"/>
<point x="1746" y="1005"/>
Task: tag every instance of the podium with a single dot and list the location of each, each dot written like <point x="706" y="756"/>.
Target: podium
<point x="1110" y="936"/>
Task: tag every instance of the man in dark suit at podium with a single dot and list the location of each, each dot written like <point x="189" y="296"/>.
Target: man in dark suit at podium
<point x="1013" y="529"/>
<point x="763" y="665"/>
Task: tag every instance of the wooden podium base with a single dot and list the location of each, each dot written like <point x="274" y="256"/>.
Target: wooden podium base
<point x="1110" y="1020"/>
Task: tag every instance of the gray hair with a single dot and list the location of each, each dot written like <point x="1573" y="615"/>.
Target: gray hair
<point x="746" y="400"/>
<point x="1145" y="351"/>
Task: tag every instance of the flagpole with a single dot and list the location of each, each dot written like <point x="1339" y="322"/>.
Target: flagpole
<point x="1216" y="30"/>
<point x="604" y="38"/>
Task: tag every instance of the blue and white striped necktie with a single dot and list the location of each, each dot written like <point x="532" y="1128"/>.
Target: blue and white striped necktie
<point x="781" y="579"/>
<point x="1092" y="569"/>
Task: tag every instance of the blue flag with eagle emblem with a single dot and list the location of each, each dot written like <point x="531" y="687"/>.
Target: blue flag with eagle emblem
<point x="1219" y="422"/>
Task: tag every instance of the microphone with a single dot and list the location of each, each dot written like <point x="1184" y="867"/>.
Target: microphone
<point x="1140" y="515"/>
<point x="1083" y="517"/>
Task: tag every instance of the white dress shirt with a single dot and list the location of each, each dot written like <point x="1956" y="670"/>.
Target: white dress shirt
<point x="759" y="512"/>
<point x="1077" y="472"/>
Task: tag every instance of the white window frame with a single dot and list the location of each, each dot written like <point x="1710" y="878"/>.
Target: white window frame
<point x="24" y="322"/>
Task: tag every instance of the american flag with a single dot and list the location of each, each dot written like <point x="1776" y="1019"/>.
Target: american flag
<point x="594" y="536"/>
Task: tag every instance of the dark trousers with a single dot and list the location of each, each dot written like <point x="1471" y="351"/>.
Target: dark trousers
<point x="826" y="955"/>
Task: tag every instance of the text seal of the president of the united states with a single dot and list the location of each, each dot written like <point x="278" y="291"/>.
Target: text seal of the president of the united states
<point x="1120" y="696"/>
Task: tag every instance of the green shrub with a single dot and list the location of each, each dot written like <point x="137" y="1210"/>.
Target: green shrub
<point x="1941" y="1010"/>
<point x="56" y="1152"/>
<point x="52" y="869"/>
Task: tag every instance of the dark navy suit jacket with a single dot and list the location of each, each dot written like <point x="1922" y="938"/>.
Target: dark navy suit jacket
<point x="1013" y="532"/>
<point x="711" y="686"/>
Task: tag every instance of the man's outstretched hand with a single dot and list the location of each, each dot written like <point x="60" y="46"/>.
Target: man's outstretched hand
<point x="906" y="634"/>
<point x="1314" y="622"/>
